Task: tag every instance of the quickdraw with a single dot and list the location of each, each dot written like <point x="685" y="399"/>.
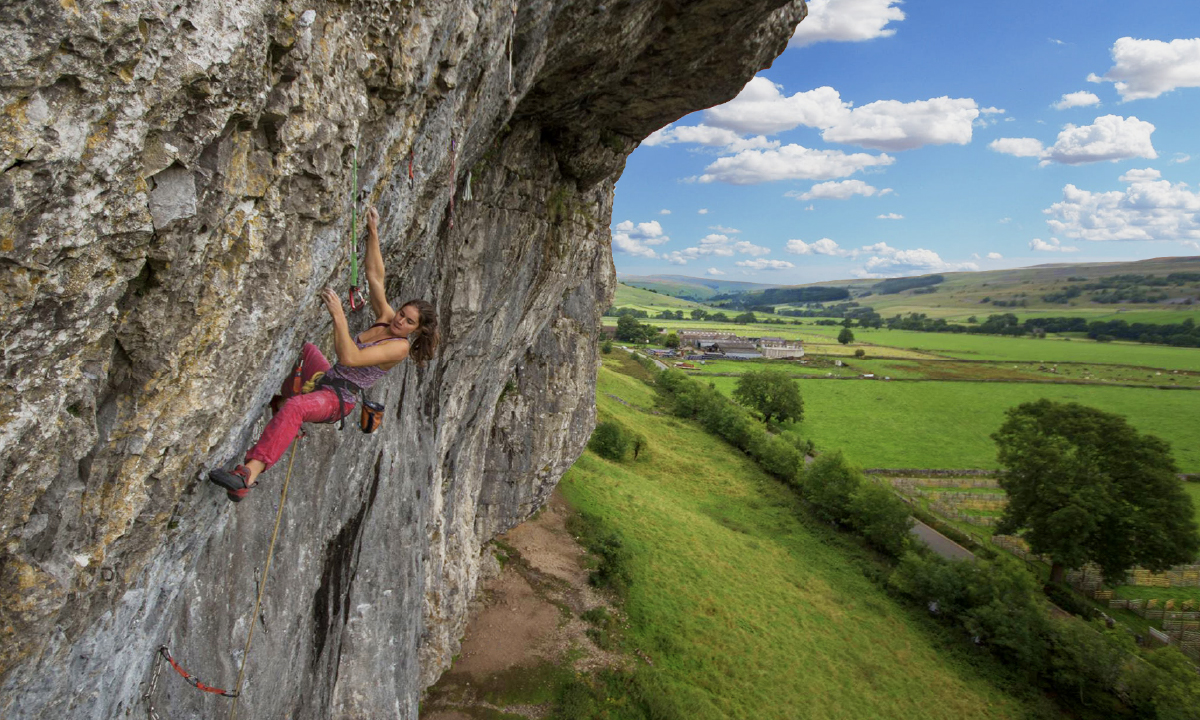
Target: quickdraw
<point x="355" y="295"/>
<point x="194" y="682"/>
<point x="412" y="182"/>
<point x="467" y="196"/>
<point x="165" y="654"/>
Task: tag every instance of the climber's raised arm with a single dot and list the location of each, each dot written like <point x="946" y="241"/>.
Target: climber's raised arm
<point x="375" y="276"/>
<point x="348" y="351"/>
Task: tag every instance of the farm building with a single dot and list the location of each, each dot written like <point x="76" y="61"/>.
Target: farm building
<point x="780" y="348"/>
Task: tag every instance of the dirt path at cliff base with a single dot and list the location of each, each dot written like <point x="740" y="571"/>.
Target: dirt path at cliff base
<point x="525" y="634"/>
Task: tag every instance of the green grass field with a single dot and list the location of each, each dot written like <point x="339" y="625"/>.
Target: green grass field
<point x="947" y="425"/>
<point x="744" y="610"/>
<point x="992" y="347"/>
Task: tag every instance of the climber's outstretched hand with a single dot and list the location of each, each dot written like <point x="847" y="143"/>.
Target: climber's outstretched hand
<point x="334" y="304"/>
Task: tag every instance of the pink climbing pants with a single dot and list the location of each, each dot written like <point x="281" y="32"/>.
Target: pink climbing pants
<point x="319" y="406"/>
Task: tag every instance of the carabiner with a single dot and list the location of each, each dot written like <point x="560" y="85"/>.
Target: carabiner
<point x="356" y="299"/>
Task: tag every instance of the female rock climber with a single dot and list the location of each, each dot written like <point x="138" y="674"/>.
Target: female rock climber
<point x="362" y="361"/>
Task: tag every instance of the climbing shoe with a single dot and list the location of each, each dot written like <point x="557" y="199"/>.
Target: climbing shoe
<point x="233" y="482"/>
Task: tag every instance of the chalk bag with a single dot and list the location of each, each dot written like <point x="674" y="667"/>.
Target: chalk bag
<point x="372" y="416"/>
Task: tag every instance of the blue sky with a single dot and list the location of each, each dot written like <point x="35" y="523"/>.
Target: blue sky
<point x="905" y="138"/>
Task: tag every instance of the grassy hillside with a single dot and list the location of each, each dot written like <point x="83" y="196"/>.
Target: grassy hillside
<point x="743" y="608"/>
<point x="963" y="294"/>
<point x="688" y="287"/>
<point x="654" y="303"/>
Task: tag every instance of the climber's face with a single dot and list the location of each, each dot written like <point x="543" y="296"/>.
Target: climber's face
<point x="405" y="321"/>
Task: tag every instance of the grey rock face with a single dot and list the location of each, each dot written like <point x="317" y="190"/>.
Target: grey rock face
<point x="175" y="182"/>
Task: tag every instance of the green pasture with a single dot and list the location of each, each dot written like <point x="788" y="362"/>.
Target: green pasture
<point x="822" y="339"/>
<point x="925" y="369"/>
<point x="742" y="609"/>
<point x="1050" y="349"/>
<point x="947" y="425"/>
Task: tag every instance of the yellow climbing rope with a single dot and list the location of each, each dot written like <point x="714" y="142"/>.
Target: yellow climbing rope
<point x="262" y="584"/>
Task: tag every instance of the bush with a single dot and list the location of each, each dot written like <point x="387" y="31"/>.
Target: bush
<point x="882" y="518"/>
<point x="860" y="353"/>
<point x="772" y="393"/>
<point x="828" y="483"/>
<point x="610" y="440"/>
<point x="610" y="556"/>
<point x="1064" y="597"/>
<point x="1084" y="661"/>
<point x="607" y="347"/>
<point x="996" y="602"/>
<point x="1164" y="686"/>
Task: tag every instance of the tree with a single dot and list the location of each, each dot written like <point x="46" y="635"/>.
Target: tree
<point x="610" y="440"/>
<point x="607" y="347"/>
<point x="772" y="393"/>
<point x="881" y="517"/>
<point x="629" y="329"/>
<point x="859" y="353"/>
<point x="672" y="340"/>
<point x="1084" y="486"/>
<point x="829" y="483"/>
<point x="699" y="314"/>
<point x="846" y="336"/>
<point x="746" y="317"/>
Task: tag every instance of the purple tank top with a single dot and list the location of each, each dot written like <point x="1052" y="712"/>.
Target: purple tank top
<point x="363" y="377"/>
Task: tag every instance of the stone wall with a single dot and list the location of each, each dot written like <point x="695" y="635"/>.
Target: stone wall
<point x="176" y="191"/>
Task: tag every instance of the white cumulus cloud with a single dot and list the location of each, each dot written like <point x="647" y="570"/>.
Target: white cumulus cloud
<point x="994" y="256"/>
<point x="1148" y="68"/>
<point x="762" y="108"/>
<point x="1039" y="245"/>
<point x="749" y="248"/>
<point x="894" y="125"/>
<point x="702" y="211"/>
<point x="838" y="190"/>
<point x="664" y="211"/>
<point x="790" y="162"/>
<point x="1109" y="137"/>
<point x="637" y="239"/>
<point x="1019" y="147"/>
<point x="724" y="230"/>
<point x="705" y="135"/>
<point x="1083" y="98"/>
<point x="885" y="260"/>
<point x="763" y="264"/>
<point x="847" y="21"/>
<point x="712" y="244"/>
<point x="824" y="246"/>
<point x="890" y="216"/>
<point x="1149" y="209"/>
<point x="714" y="271"/>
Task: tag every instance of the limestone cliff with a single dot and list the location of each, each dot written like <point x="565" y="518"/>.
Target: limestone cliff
<point x="175" y="188"/>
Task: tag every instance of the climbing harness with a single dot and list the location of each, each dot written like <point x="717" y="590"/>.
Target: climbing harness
<point x="453" y="177"/>
<point x="371" y="415"/>
<point x="262" y="586"/>
<point x="355" y="295"/>
<point x="165" y="654"/>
